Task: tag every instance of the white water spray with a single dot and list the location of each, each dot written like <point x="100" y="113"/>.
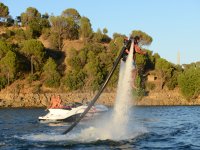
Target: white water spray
<point x="124" y="97"/>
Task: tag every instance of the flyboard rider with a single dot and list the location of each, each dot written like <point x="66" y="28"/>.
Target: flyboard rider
<point x="136" y="49"/>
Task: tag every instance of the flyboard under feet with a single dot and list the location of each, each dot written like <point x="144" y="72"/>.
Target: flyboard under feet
<point x="127" y="44"/>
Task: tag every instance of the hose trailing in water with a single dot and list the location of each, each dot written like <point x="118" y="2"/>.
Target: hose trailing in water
<point x="126" y="45"/>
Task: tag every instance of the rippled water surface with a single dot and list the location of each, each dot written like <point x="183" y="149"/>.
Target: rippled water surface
<point x="150" y="128"/>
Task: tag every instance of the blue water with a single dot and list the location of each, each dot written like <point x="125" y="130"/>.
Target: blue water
<point x="158" y="128"/>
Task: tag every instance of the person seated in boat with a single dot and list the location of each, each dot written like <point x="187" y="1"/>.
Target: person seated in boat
<point x="56" y="102"/>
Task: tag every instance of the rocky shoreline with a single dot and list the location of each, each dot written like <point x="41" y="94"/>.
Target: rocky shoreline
<point x="43" y="99"/>
<point x="155" y="98"/>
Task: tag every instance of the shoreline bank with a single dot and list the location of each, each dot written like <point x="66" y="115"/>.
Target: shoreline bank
<point x="161" y="98"/>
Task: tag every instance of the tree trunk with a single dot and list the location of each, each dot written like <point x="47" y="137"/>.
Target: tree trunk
<point x="8" y="76"/>
<point x="31" y="64"/>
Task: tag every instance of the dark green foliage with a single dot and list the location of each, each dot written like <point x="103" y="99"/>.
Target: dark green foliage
<point x="30" y="15"/>
<point x="85" y="28"/>
<point x="4" y="48"/>
<point x="20" y="35"/>
<point x="74" y="80"/>
<point x="150" y="61"/>
<point x="3" y="82"/>
<point x="145" y="39"/>
<point x="140" y="91"/>
<point x="95" y="67"/>
<point x="173" y="81"/>
<point x="92" y="61"/>
<point x="3" y="10"/>
<point x="105" y="30"/>
<point x="72" y="17"/>
<point x="100" y="37"/>
<point x="189" y="82"/>
<point x="141" y="60"/>
<point x="9" y="21"/>
<point x="46" y="32"/>
<point x="58" y="30"/>
<point x="165" y="70"/>
<point x="9" y="66"/>
<point x="33" y="20"/>
<point x="72" y="30"/>
<point x="35" y="27"/>
<point x="115" y="35"/>
<point x="34" y="50"/>
<point x="33" y="77"/>
<point x="51" y="75"/>
<point x="71" y="13"/>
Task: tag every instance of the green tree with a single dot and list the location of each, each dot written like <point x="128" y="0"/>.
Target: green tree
<point x="83" y="57"/>
<point x="3" y="82"/>
<point x="52" y="76"/>
<point x="85" y="28"/>
<point x="145" y="39"/>
<point x="73" y="60"/>
<point x="98" y="36"/>
<point x="30" y="15"/>
<point x="72" y="30"/>
<point x="189" y="82"/>
<point x="73" y="23"/>
<point x="34" y="50"/>
<point x="33" y="20"/>
<point x="74" y="80"/>
<point x="105" y="31"/>
<point x="96" y="68"/>
<point x="4" y="48"/>
<point x="35" y="28"/>
<point x="115" y="35"/>
<point x="164" y="69"/>
<point x="58" y="30"/>
<point x="72" y="13"/>
<point x="9" y="65"/>
<point x="4" y="11"/>
<point x="173" y="81"/>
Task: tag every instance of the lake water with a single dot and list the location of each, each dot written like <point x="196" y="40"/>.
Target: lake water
<point x="150" y="128"/>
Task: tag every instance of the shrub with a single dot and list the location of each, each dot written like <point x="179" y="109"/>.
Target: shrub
<point x="33" y="77"/>
<point x="74" y="80"/>
<point x="51" y="75"/>
<point x="189" y="82"/>
<point x="3" y="82"/>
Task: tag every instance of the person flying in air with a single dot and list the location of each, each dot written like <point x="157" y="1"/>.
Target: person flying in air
<point x="136" y="49"/>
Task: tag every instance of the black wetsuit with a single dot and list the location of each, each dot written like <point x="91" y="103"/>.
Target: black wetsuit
<point x="125" y="54"/>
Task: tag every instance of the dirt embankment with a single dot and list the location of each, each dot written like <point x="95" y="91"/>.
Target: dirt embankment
<point x="43" y="100"/>
<point x="166" y="98"/>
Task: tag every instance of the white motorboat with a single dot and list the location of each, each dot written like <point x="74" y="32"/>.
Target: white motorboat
<point x="70" y="113"/>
